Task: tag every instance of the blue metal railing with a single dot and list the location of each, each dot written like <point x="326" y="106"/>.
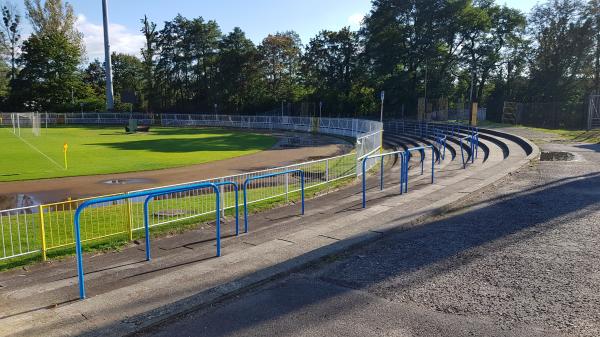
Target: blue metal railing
<point x="248" y="180"/>
<point x="153" y="195"/>
<point x="147" y="194"/>
<point x="422" y="150"/>
<point x="441" y="139"/>
<point x="364" y="169"/>
<point x="473" y="140"/>
<point x="236" y="190"/>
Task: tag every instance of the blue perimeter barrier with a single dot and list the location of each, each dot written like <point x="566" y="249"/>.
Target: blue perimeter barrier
<point x="364" y="173"/>
<point x="149" y="195"/>
<point x="404" y="159"/>
<point x="236" y="190"/>
<point x="218" y="210"/>
<point x="473" y="146"/>
<point x="248" y="180"/>
<point x="441" y="141"/>
<point x="407" y="159"/>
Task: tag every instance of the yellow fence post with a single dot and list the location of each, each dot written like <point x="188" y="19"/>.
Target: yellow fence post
<point x="129" y="220"/>
<point x="43" y="233"/>
<point x="474" y="110"/>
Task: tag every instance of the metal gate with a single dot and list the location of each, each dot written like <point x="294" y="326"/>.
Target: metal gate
<point x="594" y="112"/>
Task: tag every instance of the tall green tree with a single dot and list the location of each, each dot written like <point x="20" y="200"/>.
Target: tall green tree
<point x="50" y="57"/>
<point x="562" y="39"/>
<point x="239" y="80"/>
<point x="203" y="38"/>
<point x="186" y="63"/>
<point x="281" y="59"/>
<point x="128" y="78"/>
<point x="54" y="17"/>
<point x="411" y="47"/>
<point x="488" y="30"/>
<point x="148" y="53"/>
<point x="95" y="77"/>
<point x="10" y="35"/>
<point x="593" y="13"/>
<point x="331" y="68"/>
<point x="49" y="72"/>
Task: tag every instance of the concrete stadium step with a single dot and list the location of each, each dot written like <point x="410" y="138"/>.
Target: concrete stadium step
<point x="449" y="146"/>
<point x="416" y="141"/>
<point x="184" y="269"/>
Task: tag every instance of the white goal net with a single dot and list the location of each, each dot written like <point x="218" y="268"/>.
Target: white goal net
<point x="26" y="122"/>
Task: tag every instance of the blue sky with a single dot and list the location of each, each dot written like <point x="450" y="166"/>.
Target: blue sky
<point x="257" y="18"/>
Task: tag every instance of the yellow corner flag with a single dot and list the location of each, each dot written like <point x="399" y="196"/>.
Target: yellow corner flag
<point x="65" y="148"/>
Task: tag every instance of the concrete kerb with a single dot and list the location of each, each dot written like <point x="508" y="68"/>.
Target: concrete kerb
<point x="288" y="258"/>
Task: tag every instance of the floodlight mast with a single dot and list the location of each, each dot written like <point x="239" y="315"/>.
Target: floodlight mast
<point x="110" y="103"/>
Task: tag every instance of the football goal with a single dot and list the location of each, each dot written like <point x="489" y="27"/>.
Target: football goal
<point x="26" y="122"/>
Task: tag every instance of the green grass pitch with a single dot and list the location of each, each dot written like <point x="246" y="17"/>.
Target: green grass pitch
<point x="104" y="150"/>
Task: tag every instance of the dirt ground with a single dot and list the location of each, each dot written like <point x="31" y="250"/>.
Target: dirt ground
<point x="54" y="190"/>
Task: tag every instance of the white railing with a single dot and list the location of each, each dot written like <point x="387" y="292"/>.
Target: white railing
<point x="40" y="228"/>
<point x="19" y="232"/>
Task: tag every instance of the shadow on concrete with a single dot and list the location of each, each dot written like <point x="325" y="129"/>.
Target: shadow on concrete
<point x="411" y="248"/>
<point x="173" y="266"/>
<point x="593" y="147"/>
<point x="74" y="300"/>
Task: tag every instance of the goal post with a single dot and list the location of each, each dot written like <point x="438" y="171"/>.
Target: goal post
<point x="21" y="121"/>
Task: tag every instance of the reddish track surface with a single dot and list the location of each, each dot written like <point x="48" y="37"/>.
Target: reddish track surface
<point x="53" y="190"/>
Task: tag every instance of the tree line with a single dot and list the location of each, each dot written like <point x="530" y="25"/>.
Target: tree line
<point x="463" y="50"/>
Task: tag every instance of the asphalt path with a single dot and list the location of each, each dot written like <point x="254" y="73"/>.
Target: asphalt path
<point x="521" y="258"/>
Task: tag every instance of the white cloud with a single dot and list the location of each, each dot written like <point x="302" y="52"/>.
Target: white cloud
<point x="355" y="20"/>
<point x="121" y="39"/>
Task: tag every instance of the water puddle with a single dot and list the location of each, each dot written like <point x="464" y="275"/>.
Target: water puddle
<point x="17" y="201"/>
<point x="126" y="181"/>
<point x="556" y="156"/>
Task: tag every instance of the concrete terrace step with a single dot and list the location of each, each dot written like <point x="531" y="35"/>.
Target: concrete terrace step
<point x="127" y="293"/>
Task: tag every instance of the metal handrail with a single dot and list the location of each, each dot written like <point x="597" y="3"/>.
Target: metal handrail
<point x="364" y="168"/>
<point x="91" y="202"/>
<point x="407" y="159"/>
<point x="153" y="195"/>
<point x="248" y="180"/>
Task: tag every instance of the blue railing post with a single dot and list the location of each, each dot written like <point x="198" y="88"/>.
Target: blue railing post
<point x="218" y="222"/>
<point x="472" y="143"/>
<point x="432" y="166"/>
<point x="302" y="188"/>
<point x="147" y="229"/>
<point x="381" y="175"/>
<point x="422" y="161"/>
<point x="237" y="210"/>
<point x="245" y="208"/>
<point x="408" y="155"/>
<point x="462" y="153"/>
<point x="364" y="182"/>
<point x="79" y="254"/>
<point x="401" y="173"/>
<point x="445" y="139"/>
<point x="477" y="144"/>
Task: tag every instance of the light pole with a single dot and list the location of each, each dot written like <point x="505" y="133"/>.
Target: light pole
<point x="110" y="103"/>
<point x="320" y="110"/>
